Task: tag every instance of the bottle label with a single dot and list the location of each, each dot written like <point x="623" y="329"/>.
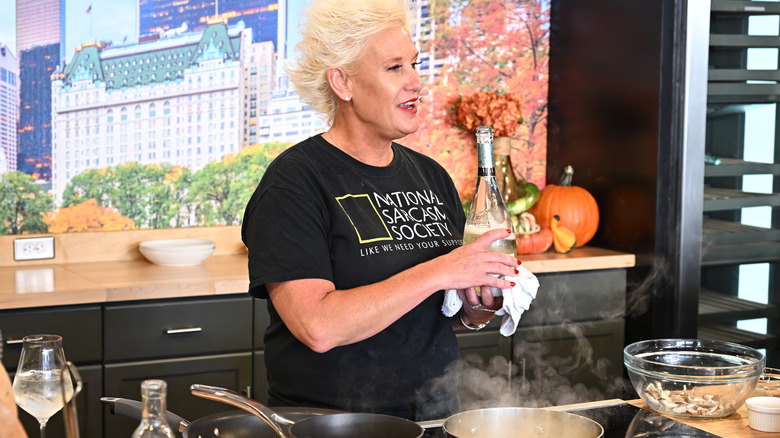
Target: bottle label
<point x="485" y="159"/>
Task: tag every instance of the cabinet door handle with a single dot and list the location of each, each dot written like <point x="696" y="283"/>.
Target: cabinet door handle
<point x="14" y="341"/>
<point x="183" y="330"/>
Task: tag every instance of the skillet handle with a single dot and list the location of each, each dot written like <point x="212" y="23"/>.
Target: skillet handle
<point x="279" y="424"/>
<point x="134" y="409"/>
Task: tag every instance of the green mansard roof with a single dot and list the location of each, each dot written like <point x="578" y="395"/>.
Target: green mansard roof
<point x="152" y="62"/>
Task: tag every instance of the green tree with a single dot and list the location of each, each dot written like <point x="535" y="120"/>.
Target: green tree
<point x="220" y="191"/>
<point x="164" y="195"/>
<point x="97" y="184"/>
<point x="181" y="180"/>
<point x="133" y="185"/>
<point x="152" y="196"/>
<point x="23" y="203"/>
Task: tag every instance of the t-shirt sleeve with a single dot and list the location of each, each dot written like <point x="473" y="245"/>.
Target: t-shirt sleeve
<point x="286" y="236"/>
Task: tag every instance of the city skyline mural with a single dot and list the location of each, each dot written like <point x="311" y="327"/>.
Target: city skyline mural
<point x="172" y="123"/>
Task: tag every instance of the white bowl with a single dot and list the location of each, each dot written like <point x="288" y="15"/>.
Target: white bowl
<point x="764" y="413"/>
<point x="177" y="252"/>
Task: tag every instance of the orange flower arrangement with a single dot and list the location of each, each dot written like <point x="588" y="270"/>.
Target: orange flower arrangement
<point x="501" y="111"/>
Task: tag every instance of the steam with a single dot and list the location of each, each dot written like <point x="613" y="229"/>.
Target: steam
<point x="639" y="296"/>
<point x="534" y="377"/>
<point x="542" y="372"/>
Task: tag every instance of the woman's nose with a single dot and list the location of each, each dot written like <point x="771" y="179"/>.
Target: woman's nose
<point x="414" y="83"/>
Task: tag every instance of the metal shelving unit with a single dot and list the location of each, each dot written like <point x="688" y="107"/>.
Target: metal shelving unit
<point x="727" y="243"/>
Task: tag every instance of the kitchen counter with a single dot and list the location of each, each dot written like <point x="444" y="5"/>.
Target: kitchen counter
<point x="27" y="285"/>
<point x="733" y="426"/>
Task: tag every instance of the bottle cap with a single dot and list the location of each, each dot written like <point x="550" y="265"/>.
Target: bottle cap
<point x="484" y="134"/>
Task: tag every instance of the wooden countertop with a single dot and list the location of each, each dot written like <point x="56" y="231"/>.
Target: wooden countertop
<point x="733" y="426"/>
<point x="26" y="285"/>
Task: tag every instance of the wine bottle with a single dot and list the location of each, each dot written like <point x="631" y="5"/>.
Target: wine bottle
<point x="505" y="173"/>
<point x="153" y="424"/>
<point x="488" y="209"/>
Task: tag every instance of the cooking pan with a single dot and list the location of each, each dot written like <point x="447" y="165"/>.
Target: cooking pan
<point x="232" y="424"/>
<point x="489" y="422"/>
<point x="343" y="425"/>
<point x="518" y="422"/>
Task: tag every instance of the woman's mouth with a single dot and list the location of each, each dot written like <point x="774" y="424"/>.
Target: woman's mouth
<point x="410" y="105"/>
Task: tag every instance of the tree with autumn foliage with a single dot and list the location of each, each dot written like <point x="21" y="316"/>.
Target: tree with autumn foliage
<point x="87" y="216"/>
<point x="485" y="45"/>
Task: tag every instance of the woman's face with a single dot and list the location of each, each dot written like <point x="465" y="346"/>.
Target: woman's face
<point x="386" y="86"/>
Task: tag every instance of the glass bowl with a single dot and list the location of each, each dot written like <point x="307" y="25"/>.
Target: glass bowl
<point x="769" y="383"/>
<point x="691" y="377"/>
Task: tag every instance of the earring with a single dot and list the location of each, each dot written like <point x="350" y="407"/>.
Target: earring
<point x="347" y="98"/>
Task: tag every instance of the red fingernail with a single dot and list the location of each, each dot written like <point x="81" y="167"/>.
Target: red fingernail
<point x="508" y="231"/>
<point x="519" y="263"/>
<point x="516" y="272"/>
<point x="512" y="283"/>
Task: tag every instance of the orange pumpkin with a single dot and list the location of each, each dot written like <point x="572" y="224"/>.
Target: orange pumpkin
<point x="534" y="243"/>
<point x="576" y="207"/>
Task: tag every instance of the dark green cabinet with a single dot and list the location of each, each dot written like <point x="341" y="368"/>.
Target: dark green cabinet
<point x="181" y="341"/>
<point x="81" y="331"/>
<point x="81" y="328"/>
<point x="176" y="328"/>
<point x="233" y="371"/>
<point x="486" y="344"/>
<point x="560" y="357"/>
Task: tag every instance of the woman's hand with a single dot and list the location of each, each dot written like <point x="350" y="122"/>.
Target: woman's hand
<point x="323" y="318"/>
<point x="474" y="265"/>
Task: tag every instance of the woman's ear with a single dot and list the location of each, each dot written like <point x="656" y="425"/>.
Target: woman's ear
<point x="337" y="78"/>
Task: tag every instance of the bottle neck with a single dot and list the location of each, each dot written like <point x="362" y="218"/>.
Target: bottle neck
<point x="153" y="397"/>
<point x="485" y="159"/>
<point x="154" y="406"/>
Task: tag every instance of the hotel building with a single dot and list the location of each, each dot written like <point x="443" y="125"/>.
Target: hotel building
<point x="175" y="100"/>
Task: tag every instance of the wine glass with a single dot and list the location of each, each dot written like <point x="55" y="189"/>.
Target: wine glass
<point x="38" y="384"/>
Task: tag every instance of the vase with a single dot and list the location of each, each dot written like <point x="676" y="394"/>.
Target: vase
<point x="505" y="173"/>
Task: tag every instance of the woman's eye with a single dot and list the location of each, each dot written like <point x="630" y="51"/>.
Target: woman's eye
<point x="416" y="64"/>
<point x="395" y="67"/>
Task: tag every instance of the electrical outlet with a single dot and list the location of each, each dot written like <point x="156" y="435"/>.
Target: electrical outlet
<point x="34" y="248"/>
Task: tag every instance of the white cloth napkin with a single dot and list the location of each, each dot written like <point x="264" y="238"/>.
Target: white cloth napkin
<point x="516" y="300"/>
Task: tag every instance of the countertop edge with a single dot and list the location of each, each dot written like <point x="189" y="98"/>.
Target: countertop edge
<point x="33" y="286"/>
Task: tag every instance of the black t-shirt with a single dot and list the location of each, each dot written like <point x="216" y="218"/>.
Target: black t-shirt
<point x="319" y="213"/>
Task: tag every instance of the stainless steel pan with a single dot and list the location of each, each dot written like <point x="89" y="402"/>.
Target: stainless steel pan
<point x="518" y="422"/>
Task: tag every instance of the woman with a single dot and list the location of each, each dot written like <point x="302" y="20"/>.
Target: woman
<point x="354" y="237"/>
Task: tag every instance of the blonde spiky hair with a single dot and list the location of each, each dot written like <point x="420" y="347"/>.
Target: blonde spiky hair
<point x="335" y="33"/>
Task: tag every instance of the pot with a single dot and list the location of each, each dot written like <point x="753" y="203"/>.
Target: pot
<point x="516" y="422"/>
<point x="232" y="424"/>
<point x="343" y="425"/>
